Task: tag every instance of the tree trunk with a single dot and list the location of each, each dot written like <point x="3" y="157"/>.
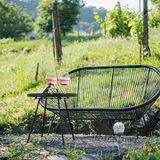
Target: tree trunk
<point x="56" y="35"/>
<point x="121" y="21"/>
<point x="146" y="49"/>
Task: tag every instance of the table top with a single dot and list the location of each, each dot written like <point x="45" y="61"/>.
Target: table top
<point x="51" y="95"/>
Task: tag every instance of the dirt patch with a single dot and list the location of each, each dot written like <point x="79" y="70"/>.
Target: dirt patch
<point x="93" y="146"/>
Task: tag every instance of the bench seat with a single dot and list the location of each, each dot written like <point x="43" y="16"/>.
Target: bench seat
<point x="110" y="92"/>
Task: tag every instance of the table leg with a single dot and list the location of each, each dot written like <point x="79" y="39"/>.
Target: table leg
<point x="61" y="123"/>
<point x="70" y="124"/>
<point x="44" y="117"/>
<point x="32" y="123"/>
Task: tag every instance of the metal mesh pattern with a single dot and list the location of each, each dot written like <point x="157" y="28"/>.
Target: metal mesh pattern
<point x="118" y="92"/>
<point x="93" y="114"/>
<point x="114" y="87"/>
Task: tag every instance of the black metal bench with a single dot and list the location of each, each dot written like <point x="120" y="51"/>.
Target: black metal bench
<point x="110" y="92"/>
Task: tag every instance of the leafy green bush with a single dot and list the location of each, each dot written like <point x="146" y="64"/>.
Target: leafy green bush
<point x="154" y="18"/>
<point x="137" y="27"/>
<point x="149" y="151"/>
<point x="119" y="22"/>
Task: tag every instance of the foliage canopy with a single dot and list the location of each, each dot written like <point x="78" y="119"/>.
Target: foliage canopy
<point x="30" y="5"/>
<point x="87" y="22"/>
<point x="125" y="22"/>
<point x="14" y="21"/>
<point x="116" y="22"/>
<point x="68" y="12"/>
<point x="157" y="3"/>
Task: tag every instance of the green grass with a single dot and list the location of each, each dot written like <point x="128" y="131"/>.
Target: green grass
<point x="18" y="61"/>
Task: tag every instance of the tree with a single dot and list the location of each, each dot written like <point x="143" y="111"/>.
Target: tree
<point x="117" y="21"/>
<point x="86" y="14"/>
<point x="154" y="18"/>
<point x="102" y="21"/>
<point x="87" y="22"/>
<point x="146" y="49"/>
<point x="136" y="25"/>
<point x="14" y="21"/>
<point x="30" y="5"/>
<point x="156" y="2"/>
<point x="155" y="14"/>
<point x="68" y="12"/>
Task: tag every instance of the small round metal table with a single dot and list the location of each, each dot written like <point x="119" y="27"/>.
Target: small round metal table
<point x="46" y="96"/>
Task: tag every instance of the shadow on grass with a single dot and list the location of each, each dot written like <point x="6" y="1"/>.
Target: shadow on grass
<point x="157" y="56"/>
<point x="81" y="38"/>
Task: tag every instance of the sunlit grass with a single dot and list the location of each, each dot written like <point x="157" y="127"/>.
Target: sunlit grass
<point x="18" y="62"/>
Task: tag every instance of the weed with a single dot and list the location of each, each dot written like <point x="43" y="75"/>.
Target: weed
<point x="18" y="150"/>
<point x="74" y="153"/>
<point x="149" y="151"/>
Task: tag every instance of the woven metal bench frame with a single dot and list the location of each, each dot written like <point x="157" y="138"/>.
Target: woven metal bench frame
<point x="130" y="90"/>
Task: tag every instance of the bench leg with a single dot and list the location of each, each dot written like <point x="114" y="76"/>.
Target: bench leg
<point x="136" y="123"/>
<point x="76" y="127"/>
<point x="33" y="120"/>
<point x="144" y="121"/>
<point x="145" y="125"/>
<point x="70" y="124"/>
<point x="44" y="117"/>
<point x="61" y="123"/>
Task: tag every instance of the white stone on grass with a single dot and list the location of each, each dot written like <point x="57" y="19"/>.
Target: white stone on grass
<point x="118" y="128"/>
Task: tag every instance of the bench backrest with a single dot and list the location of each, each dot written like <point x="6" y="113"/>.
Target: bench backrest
<point x="114" y="87"/>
